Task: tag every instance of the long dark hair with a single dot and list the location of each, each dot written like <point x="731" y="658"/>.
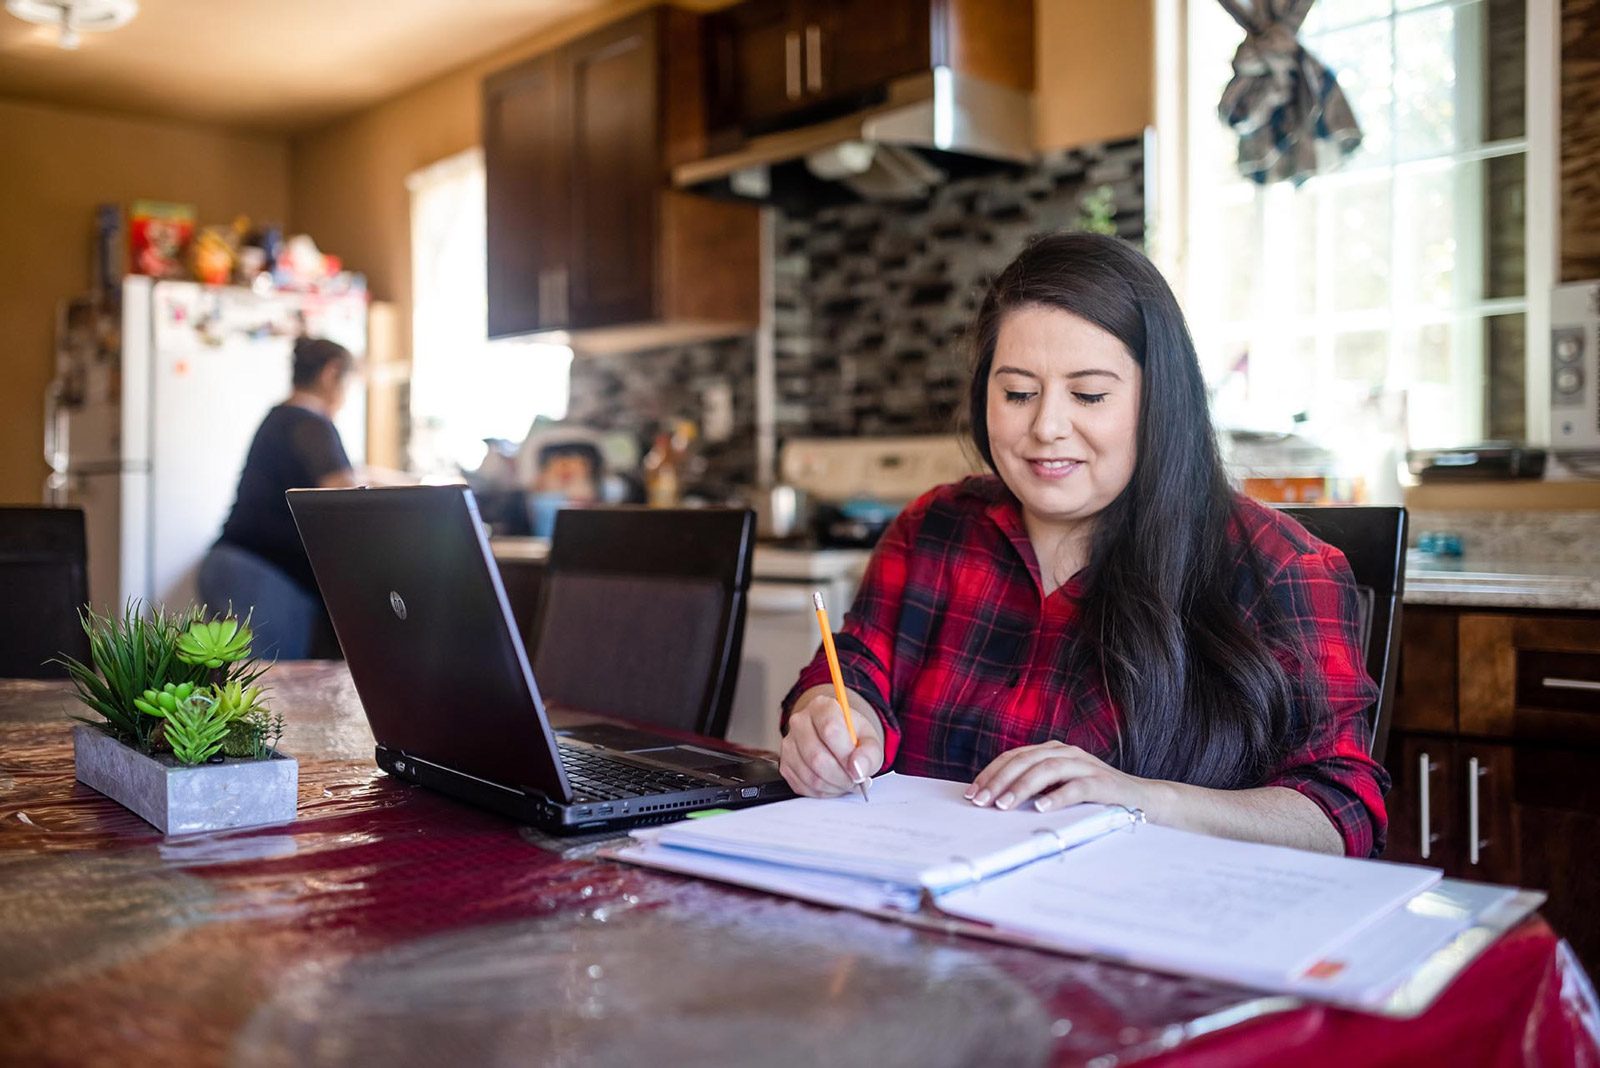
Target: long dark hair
<point x="1201" y="696"/>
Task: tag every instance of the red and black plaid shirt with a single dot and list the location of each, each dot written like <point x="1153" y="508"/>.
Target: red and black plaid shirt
<point x="954" y="643"/>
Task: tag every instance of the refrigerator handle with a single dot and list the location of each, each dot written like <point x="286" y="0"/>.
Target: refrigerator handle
<point x="55" y="450"/>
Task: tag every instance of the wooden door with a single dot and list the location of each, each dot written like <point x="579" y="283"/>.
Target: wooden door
<point x="754" y="65"/>
<point x="527" y="152"/>
<point x="852" y="46"/>
<point x="1538" y="826"/>
<point x="1423" y="803"/>
<point x="617" y="175"/>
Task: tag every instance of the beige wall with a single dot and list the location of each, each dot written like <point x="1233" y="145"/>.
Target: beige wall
<point x="55" y="165"/>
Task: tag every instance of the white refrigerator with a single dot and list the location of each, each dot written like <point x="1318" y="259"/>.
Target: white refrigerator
<point x="153" y="410"/>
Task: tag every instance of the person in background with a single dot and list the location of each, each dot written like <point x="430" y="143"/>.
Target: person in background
<point x="259" y="563"/>
<point x="1102" y="618"/>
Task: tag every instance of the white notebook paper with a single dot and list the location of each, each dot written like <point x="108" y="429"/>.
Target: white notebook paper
<point x="1087" y="879"/>
<point x="915" y="832"/>
<point x="1241" y="911"/>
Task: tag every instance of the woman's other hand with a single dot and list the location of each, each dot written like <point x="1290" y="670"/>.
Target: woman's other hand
<point x="1054" y="775"/>
<point x="818" y="759"/>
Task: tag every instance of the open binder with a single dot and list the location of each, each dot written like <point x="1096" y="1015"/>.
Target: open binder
<point x="1095" y="880"/>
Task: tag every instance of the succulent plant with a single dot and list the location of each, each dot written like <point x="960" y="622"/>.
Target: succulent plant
<point x="213" y="644"/>
<point x="163" y="679"/>
<point x="160" y="702"/>
<point x="128" y="655"/>
<point x="195" y="728"/>
<point x="235" y="700"/>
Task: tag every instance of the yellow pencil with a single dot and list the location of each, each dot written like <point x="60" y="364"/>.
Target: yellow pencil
<point x="838" y="679"/>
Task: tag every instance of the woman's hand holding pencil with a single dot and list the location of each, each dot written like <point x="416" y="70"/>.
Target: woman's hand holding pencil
<point x="834" y="743"/>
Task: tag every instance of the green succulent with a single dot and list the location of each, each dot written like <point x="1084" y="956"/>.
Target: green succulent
<point x="235" y="700"/>
<point x="160" y="702"/>
<point x="128" y="655"/>
<point x="195" y="728"/>
<point x="213" y="644"/>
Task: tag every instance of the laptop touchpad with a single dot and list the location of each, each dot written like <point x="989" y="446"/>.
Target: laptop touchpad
<point x="689" y="757"/>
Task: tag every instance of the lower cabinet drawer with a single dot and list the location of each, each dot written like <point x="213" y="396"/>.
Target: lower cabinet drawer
<point x="1530" y="677"/>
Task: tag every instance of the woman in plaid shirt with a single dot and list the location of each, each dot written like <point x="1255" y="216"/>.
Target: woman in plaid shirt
<point x="1102" y="618"/>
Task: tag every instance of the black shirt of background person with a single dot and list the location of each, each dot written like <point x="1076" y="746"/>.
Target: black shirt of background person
<point x="294" y="448"/>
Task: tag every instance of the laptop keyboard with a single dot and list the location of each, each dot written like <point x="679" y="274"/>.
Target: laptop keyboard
<point x="595" y="777"/>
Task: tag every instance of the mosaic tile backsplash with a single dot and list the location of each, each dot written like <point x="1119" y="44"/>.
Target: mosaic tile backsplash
<point x="873" y="302"/>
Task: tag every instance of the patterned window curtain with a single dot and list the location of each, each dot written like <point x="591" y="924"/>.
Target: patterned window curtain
<point x="1281" y="100"/>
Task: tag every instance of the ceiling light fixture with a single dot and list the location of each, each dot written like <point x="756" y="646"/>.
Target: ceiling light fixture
<point x="72" y="16"/>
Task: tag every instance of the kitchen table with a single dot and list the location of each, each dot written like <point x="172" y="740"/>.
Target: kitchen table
<point x="390" y="925"/>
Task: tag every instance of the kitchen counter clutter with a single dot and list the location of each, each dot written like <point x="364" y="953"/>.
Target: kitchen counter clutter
<point x="522" y="550"/>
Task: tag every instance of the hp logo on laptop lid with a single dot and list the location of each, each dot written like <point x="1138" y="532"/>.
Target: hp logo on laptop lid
<point x="398" y="604"/>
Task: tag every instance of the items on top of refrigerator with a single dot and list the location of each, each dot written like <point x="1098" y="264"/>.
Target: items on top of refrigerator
<point x="158" y="238"/>
<point x="161" y="241"/>
<point x="214" y="256"/>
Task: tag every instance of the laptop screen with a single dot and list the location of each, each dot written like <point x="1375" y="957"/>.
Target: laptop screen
<point x="420" y="613"/>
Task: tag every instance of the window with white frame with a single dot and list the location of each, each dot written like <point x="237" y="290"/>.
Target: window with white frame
<point x="464" y="387"/>
<point x="1401" y="272"/>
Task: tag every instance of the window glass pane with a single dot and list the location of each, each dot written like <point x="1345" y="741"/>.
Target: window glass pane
<point x="451" y="410"/>
<point x="1361" y="356"/>
<point x="1443" y="364"/>
<point x="1355" y="236"/>
<point x="1360" y="57"/>
<point x="1425" y="92"/>
<point x="1306" y="296"/>
<point x="1425" y="256"/>
<point x="1238" y="258"/>
<point x="1331" y="14"/>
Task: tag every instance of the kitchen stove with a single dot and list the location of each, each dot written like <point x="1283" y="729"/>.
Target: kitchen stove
<point x="781" y="626"/>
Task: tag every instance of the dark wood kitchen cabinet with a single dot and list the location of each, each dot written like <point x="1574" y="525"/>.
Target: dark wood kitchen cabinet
<point x="1495" y="757"/>
<point x="775" y="63"/>
<point x="585" y="236"/>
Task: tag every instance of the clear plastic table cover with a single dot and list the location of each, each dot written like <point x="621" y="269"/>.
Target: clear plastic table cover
<point x="389" y="925"/>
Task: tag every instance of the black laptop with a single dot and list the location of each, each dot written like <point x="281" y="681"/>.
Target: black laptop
<point x="420" y="612"/>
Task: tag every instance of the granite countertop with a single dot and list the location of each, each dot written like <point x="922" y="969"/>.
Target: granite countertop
<point x="1501" y="583"/>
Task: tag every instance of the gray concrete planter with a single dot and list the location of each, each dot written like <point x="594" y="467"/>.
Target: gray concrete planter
<point x="182" y="800"/>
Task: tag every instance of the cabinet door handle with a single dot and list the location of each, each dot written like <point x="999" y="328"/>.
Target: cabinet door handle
<point x="564" y="286"/>
<point x="548" y="311"/>
<point x="1571" y="684"/>
<point x="1474" y="842"/>
<point x="791" y="65"/>
<point x="1425" y="768"/>
<point x="814" y="58"/>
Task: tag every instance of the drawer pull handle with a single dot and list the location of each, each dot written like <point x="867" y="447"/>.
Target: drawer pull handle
<point x="791" y="65"/>
<point x="1424" y="800"/>
<point x="1556" y="683"/>
<point x="1474" y="843"/>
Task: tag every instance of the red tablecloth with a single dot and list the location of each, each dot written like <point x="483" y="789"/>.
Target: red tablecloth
<point x="389" y="924"/>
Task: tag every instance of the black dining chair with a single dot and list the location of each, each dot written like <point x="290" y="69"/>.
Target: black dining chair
<point x="641" y="613"/>
<point x="1373" y="540"/>
<point x="43" y="583"/>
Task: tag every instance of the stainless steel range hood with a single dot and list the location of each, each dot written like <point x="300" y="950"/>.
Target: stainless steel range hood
<point x="869" y="149"/>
